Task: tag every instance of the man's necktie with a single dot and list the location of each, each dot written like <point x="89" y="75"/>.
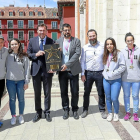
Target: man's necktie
<point x="41" y="45"/>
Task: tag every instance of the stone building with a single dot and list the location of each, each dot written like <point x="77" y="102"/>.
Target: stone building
<point x="111" y="18"/>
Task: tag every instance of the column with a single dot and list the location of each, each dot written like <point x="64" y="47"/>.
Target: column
<point x="82" y="24"/>
<point x="120" y="21"/>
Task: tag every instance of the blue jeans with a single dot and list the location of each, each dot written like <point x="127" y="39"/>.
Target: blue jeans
<point x="16" y="87"/>
<point x="135" y="94"/>
<point x="112" y="91"/>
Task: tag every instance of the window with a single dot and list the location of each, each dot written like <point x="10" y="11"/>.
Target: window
<point x="21" y="35"/>
<point x="0" y="23"/>
<point x="31" y="13"/>
<point x="31" y="34"/>
<point x="54" y="24"/>
<point x="20" y="23"/>
<point x="10" y="35"/>
<point x="39" y="13"/>
<point x="10" y="13"/>
<point x="21" y="14"/>
<point x="0" y="32"/>
<point x="54" y="14"/>
<point x="30" y="24"/>
<point x="0" y="13"/>
<point x="22" y="45"/>
<point x="54" y="35"/>
<point x="10" y="23"/>
<point x="40" y="22"/>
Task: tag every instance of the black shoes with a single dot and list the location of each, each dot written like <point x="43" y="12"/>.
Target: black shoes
<point x="37" y="117"/>
<point x="84" y="114"/>
<point x="48" y="117"/>
<point x="66" y="114"/>
<point x="75" y="115"/>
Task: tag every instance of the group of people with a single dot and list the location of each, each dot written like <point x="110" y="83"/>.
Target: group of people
<point x="105" y="65"/>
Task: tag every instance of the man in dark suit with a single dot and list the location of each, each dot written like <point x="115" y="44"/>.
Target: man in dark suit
<point x="38" y="71"/>
<point x="71" y="51"/>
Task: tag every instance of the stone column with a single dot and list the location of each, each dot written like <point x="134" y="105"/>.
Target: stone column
<point x="84" y="20"/>
<point x="91" y="18"/>
<point x="137" y="36"/>
<point x="82" y="24"/>
<point x="76" y="18"/>
<point x="120" y="21"/>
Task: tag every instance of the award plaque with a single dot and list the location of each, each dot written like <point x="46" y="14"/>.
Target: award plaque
<point x="52" y="57"/>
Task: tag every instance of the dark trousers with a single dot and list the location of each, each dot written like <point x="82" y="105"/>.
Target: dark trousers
<point x="64" y="78"/>
<point x="47" y="84"/>
<point x="92" y="76"/>
<point x="2" y="86"/>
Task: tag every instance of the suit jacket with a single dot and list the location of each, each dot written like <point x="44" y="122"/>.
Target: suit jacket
<point x="37" y="62"/>
<point x="74" y="53"/>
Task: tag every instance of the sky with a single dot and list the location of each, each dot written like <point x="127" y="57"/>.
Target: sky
<point x="32" y="3"/>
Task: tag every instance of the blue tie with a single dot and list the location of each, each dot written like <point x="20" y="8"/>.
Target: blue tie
<point x="41" y="45"/>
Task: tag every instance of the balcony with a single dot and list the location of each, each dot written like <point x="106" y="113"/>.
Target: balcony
<point x="28" y="27"/>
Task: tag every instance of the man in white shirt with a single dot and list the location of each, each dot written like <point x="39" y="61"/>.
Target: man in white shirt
<point x="92" y="67"/>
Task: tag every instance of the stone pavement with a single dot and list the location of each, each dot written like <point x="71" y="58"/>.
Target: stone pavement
<point x="93" y="127"/>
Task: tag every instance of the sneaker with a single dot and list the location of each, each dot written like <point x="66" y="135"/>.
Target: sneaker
<point x="116" y="117"/>
<point x="127" y="116"/>
<point x="13" y="121"/>
<point x="135" y="117"/>
<point x="103" y="114"/>
<point x="21" y="119"/>
<point x="109" y="117"/>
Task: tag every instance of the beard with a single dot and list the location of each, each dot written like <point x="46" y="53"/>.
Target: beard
<point x="67" y="35"/>
<point x="93" y="41"/>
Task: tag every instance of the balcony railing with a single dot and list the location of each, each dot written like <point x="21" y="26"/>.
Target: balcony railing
<point x="27" y="27"/>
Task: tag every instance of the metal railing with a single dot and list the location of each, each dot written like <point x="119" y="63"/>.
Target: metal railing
<point x="27" y="27"/>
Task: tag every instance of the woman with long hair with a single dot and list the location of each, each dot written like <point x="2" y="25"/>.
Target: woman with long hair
<point x="114" y="65"/>
<point x="131" y="76"/>
<point x="17" y="78"/>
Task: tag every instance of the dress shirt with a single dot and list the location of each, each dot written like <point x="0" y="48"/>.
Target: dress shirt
<point x="44" y="41"/>
<point x="65" y="56"/>
<point x="92" y="57"/>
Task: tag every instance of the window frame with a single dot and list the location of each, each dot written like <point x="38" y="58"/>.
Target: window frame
<point x="28" y="33"/>
<point x="18" y="24"/>
<point x="8" y="35"/>
<point x="7" y="24"/>
<point x="33" y="24"/>
<point x="23" y="35"/>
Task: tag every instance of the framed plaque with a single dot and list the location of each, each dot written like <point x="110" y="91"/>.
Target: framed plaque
<point x="52" y="57"/>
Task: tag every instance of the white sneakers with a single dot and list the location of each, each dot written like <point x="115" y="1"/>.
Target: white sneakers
<point x="116" y="117"/>
<point x="110" y="117"/>
<point x="13" y="120"/>
<point x="21" y="119"/>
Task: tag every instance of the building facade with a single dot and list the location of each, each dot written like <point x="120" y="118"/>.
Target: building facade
<point x="22" y="22"/>
<point x="66" y="13"/>
<point x="111" y="18"/>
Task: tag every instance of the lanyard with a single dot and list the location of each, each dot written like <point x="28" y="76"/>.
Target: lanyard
<point x="108" y="61"/>
<point x="67" y="45"/>
<point x="131" y="55"/>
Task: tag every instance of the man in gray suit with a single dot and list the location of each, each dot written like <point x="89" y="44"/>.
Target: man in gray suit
<point x="71" y="51"/>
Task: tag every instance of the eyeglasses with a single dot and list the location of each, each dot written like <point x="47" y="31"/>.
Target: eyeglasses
<point x="67" y="30"/>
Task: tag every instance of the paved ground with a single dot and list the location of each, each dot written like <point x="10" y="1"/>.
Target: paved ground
<point x="93" y="127"/>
